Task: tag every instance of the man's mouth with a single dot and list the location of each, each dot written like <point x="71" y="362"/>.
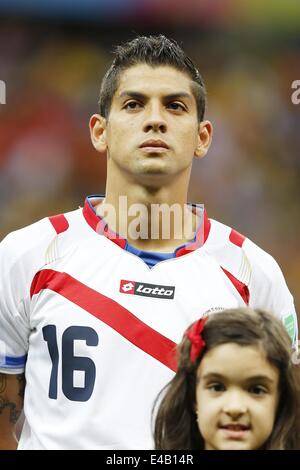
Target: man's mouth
<point x="154" y="146"/>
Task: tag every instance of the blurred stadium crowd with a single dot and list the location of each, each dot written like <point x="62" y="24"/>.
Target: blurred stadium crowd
<point x="251" y="176"/>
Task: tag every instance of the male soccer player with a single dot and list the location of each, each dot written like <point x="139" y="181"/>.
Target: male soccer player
<point x="93" y="302"/>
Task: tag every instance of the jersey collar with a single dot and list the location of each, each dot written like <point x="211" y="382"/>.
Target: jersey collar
<point x="100" y="226"/>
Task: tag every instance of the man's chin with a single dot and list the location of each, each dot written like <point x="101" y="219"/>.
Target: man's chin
<point x="153" y="176"/>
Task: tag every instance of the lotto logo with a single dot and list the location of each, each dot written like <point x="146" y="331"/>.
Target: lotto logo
<point x="127" y="287"/>
<point x="147" y="290"/>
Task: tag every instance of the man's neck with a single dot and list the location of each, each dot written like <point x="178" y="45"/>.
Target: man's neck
<point x="151" y="219"/>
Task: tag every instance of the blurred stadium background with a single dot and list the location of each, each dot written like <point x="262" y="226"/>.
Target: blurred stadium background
<point x="52" y="58"/>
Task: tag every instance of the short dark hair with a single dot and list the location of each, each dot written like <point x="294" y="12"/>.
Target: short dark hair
<point x="176" y="426"/>
<point x="153" y="51"/>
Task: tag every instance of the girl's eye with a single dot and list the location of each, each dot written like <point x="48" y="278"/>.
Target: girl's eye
<point x="176" y="106"/>
<point x="258" y="390"/>
<point x="132" y="105"/>
<point x="216" y="387"/>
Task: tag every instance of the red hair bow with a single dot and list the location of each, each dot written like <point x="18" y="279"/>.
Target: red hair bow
<point x="194" y="335"/>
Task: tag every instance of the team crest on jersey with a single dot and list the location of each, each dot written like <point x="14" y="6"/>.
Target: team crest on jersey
<point x="213" y="310"/>
<point x="147" y="290"/>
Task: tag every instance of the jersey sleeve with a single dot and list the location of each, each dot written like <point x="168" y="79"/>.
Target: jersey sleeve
<point x="22" y="253"/>
<point x="269" y="291"/>
<point x="14" y="325"/>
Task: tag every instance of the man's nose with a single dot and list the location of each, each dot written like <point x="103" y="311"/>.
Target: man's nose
<point x="235" y="405"/>
<point x="155" y="120"/>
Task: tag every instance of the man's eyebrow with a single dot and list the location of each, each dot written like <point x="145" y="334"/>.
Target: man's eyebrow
<point x="178" y="95"/>
<point x="172" y="96"/>
<point x="133" y="94"/>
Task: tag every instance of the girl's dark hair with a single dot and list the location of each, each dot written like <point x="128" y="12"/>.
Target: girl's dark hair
<point x="176" y="425"/>
<point x="153" y="51"/>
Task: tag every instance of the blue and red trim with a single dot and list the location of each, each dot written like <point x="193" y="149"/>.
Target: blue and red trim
<point x="10" y="362"/>
<point x="100" y="226"/>
<point x="201" y="237"/>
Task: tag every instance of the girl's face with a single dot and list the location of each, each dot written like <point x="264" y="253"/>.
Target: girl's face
<point x="236" y="397"/>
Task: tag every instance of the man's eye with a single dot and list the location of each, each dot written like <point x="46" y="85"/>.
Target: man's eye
<point x="258" y="390"/>
<point x="216" y="387"/>
<point x="132" y="105"/>
<point x="176" y="106"/>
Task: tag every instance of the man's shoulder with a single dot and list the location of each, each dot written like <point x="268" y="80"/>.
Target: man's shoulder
<point x="29" y="241"/>
<point x="228" y="243"/>
<point x="222" y="234"/>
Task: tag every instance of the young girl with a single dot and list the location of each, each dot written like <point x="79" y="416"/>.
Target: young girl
<point x="235" y="388"/>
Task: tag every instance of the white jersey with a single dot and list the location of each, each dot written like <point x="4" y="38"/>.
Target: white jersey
<point x="95" y="328"/>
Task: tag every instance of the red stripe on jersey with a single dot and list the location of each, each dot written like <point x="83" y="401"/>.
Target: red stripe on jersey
<point x="236" y="238"/>
<point x="240" y="287"/>
<point x="201" y="237"/>
<point x="59" y="223"/>
<point x="109" y="312"/>
<point x="100" y="226"/>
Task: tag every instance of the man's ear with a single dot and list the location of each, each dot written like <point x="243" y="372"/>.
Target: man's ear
<point x="97" y="127"/>
<point x="204" y="138"/>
